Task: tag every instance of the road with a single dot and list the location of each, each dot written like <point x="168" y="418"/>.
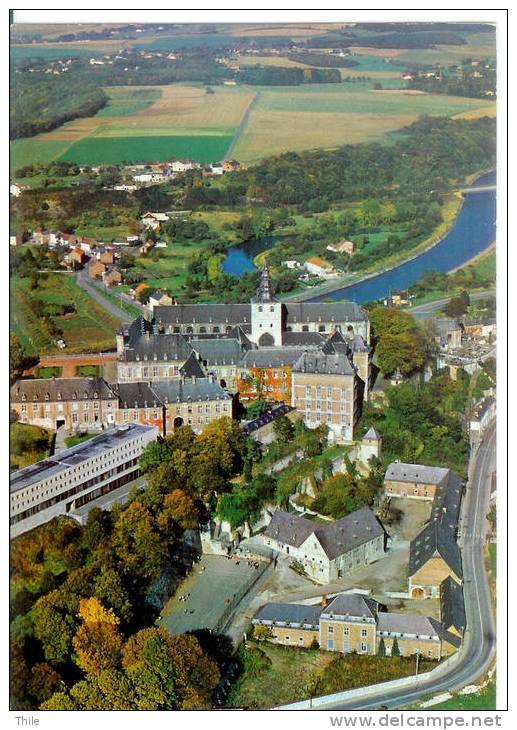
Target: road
<point x="94" y="293"/>
<point x="424" y="311"/>
<point x="478" y="649"/>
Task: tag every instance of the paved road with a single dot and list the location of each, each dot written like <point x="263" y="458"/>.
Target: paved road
<point x="424" y="311"/>
<point x="478" y="648"/>
<point x="94" y="293"/>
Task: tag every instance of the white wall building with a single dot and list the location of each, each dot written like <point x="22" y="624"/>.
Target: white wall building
<point x="76" y="476"/>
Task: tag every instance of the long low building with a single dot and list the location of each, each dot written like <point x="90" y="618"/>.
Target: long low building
<point x="76" y="476"/>
<point x="352" y="623"/>
<point x="328" y="552"/>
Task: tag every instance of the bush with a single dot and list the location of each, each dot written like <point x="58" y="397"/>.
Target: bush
<point x="254" y="660"/>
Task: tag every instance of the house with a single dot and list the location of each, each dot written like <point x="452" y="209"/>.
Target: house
<point x="77" y="257"/>
<point x="184" y="165"/>
<point x="267" y="373"/>
<point x="483" y="414"/>
<point x="107" y="256"/>
<point x="292" y="264"/>
<point x="327" y="551"/>
<point x="342" y="246"/>
<point x="17" y="239"/>
<point x="452" y="607"/>
<point x="146" y="247"/>
<point x="434" y="555"/>
<point x="112" y="276"/>
<point x="216" y="168"/>
<point x="125" y="187"/>
<point x="318" y="266"/>
<point x="399" y="298"/>
<point x="153" y="220"/>
<point x="230" y="165"/>
<point x="96" y="269"/>
<point x="414" y="480"/>
<point x="137" y="290"/>
<point x="352" y="623"/>
<point x="159" y="298"/>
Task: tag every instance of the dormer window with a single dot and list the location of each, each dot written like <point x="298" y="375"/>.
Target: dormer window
<point x="95" y="395"/>
<point x="47" y="396"/>
<point x="58" y="395"/>
<point x="24" y="397"/>
<point x="74" y="396"/>
<point x="85" y="395"/>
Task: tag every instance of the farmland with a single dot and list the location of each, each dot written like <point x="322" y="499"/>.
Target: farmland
<point x="144" y="123"/>
<point x="89" y="328"/>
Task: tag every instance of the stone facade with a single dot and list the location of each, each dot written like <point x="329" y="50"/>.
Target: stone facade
<point x="75" y="403"/>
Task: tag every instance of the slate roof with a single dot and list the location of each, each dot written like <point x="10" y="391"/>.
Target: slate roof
<point x="232" y="314"/>
<point x="328" y="311"/>
<point x="36" y="390"/>
<point x="319" y="362"/>
<point x="406" y="623"/>
<point x="289" y="613"/>
<point x="177" y="391"/>
<point x="288" y="528"/>
<point x="411" y="473"/>
<point x="191" y="368"/>
<point x="136" y="395"/>
<point x="218" y="351"/>
<point x="151" y="346"/>
<point x="303" y="339"/>
<point x="372" y="434"/>
<point x="271" y="357"/>
<point x="452" y="605"/>
<point x="445" y="635"/>
<point x="336" y="538"/>
<point x="436" y="539"/>
<point x="482" y="407"/>
<point x="351" y="604"/>
<point x="447" y="501"/>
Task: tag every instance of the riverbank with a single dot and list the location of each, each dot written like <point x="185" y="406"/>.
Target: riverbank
<point x="450" y="215"/>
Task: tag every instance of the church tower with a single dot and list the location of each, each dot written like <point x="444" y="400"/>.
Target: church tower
<point x="266" y="315"/>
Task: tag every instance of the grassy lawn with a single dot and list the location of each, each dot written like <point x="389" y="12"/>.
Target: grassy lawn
<point x="289" y="678"/>
<point x="48" y="372"/>
<point x="28" y="444"/>
<point x="295" y="674"/>
<point x="88" y="371"/>
<point x="492" y="549"/>
<point x="484" y="700"/>
<point x="78" y="439"/>
<point x="89" y="329"/>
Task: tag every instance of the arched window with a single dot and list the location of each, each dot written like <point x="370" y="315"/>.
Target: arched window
<point x="305" y="328"/>
<point x="216" y="330"/>
<point x="321" y="328"/>
<point x="202" y="330"/>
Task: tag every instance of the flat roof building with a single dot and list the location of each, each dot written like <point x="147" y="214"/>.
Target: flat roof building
<point x="75" y="476"/>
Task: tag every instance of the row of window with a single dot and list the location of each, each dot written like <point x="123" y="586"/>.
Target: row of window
<point x="346" y="631"/>
<point x="71" y="492"/>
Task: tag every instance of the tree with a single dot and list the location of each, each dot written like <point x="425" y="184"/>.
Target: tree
<point x="109" y="588"/>
<point x="17" y="357"/>
<point x="98" y="646"/>
<point x="284" y="430"/>
<point x="395" y="651"/>
<point x="44" y="682"/>
<point x="178" y="509"/>
<point x="154" y="454"/>
<point x="402" y="351"/>
<point x="58" y="702"/>
<point x="54" y="627"/>
<point x="138" y="543"/>
<point x="262" y="633"/>
<point x="390" y="321"/>
<point x="382" y="647"/>
<point x="457" y="306"/>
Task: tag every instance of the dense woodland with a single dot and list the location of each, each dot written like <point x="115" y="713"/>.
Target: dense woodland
<point x="40" y="102"/>
<point x="282" y="76"/>
<point x="323" y="59"/>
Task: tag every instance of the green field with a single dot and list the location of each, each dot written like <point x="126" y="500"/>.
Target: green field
<point x="125" y="100"/>
<point x="114" y="150"/>
<point x="33" y="151"/>
<point x="484" y="700"/>
<point x="49" y="53"/>
<point x="89" y="329"/>
<point x="368" y="102"/>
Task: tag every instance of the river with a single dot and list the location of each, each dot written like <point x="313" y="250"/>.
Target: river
<point x="472" y="232"/>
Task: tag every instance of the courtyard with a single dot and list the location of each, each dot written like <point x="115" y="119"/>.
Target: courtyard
<point x="215" y="585"/>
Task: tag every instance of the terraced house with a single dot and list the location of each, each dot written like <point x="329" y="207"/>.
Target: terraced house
<point x="70" y="402"/>
<point x="352" y="623"/>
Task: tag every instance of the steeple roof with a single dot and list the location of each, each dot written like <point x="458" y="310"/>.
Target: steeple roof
<point x="264" y="293"/>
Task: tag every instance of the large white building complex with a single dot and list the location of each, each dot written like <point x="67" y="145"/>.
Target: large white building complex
<point x="76" y="476"/>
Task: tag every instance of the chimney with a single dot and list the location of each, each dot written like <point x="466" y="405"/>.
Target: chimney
<point x="324" y="600"/>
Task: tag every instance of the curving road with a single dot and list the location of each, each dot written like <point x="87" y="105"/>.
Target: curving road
<point x="423" y="311"/>
<point x="478" y="649"/>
